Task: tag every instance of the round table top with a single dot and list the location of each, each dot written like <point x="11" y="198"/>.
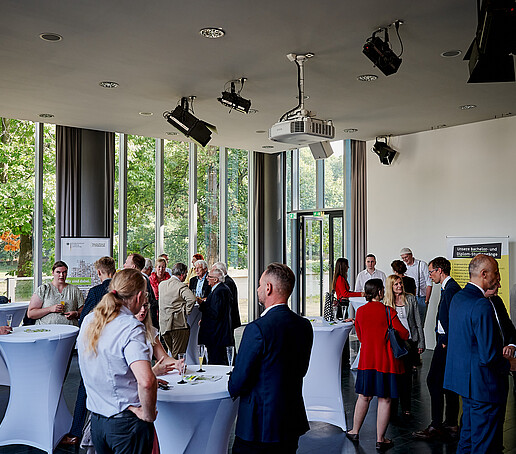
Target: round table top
<point x="34" y="333"/>
<point x="200" y="386"/>
<point x="320" y="324"/>
<point x="14" y="306"/>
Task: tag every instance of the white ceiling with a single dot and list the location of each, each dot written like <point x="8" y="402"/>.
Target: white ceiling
<point x="154" y="51"/>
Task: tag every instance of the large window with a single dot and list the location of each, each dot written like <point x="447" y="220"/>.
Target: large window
<point x="307" y="186"/>
<point x="175" y="199"/>
<point x="334" y="177"/>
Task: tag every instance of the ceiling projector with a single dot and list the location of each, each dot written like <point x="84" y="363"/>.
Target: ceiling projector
<point x="298" y="126"/>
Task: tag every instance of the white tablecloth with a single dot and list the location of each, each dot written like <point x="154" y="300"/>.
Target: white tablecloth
<point x="18" y="311"/>
<point x="196" y="418"/>
<point x="322" y="391"/>
<point x="357" y="302"/>
<point x="37" y="414"/>
<point x="193" y="322"/>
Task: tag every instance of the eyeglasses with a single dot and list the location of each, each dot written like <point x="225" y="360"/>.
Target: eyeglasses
<point x="431" y="271"/>
<point x="146" y="306"/>
<point x="212" y="277"/>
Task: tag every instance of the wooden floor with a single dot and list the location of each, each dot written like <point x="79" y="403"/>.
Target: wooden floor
<point x="325" y="438"/>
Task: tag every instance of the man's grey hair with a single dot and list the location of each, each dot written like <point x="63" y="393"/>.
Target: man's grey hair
<point x="179" y="269"/>
<point x="202" y="264"/>
<point x="217" y="273"/>
<point x="220" y="266"/>
<point x="148" y="264"/>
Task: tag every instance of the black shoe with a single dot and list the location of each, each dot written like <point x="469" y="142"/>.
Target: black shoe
<point x="430" y="433"/>
<point x="352" y="437"/>
<point x="382" y="446"/>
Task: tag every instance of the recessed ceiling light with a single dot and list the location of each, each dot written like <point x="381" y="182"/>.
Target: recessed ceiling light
<point x="367" y="77"/>
<point x="467" y="106"/>
<point x="46" y="115"/>
<point x="212" y="32"/>
<point x="451" y="53"/>
<point x="261" y="131"/>
<point x="171" y="133"/>
<point x="253" y="111"/>
<point x="349" y="130"/>
<point x="268" y="146"/>
<point x="108" y="84"/>
<point x="51" y="37"/>
<point x="146" y="114"/>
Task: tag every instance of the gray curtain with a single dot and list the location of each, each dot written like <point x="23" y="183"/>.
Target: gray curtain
<point x="358" y="206"/>
<point x="109" y="177"/>
<point x="68" y="184"/>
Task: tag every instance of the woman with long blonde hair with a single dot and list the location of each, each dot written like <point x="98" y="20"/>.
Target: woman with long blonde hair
<point x="405" y="305"/>
<point x="114" y="360"/>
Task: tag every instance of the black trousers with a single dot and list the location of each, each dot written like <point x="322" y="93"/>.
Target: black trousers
<point x="255" y="447"/>
<point x="123" y="433"/>
<point x="434" y="381"/>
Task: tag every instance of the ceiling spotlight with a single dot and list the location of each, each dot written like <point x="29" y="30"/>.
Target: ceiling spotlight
<point x="350" y="130"/>
<point x="384" y="152"/>
<point x="212" y="32"/>
<point x="367" y="77"/>
<point x="380" y="52"/>
<point x="467" y="106"/>
<point x="108" y="84"/>
<point x="232" y="98"/>
<point x="146" y="114"/>
<point x="181" y="118"/>
<point x="51" y="37"/>
<point x="46" y="115"/>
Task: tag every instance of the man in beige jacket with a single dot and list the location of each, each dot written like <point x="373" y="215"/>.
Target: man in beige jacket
<point x="176" y="301"/>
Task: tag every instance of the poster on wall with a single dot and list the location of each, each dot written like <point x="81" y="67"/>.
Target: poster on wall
<point x="462" y="249"/>
<point x="80" y="254"/>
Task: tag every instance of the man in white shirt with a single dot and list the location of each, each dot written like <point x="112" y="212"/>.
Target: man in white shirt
<point x="418" y="270"/>
<point x="369" y="273"/>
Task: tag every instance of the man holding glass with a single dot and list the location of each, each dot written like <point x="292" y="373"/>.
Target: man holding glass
<point x="268" y="376"/>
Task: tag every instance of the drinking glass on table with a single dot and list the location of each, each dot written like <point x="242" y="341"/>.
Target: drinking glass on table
<point x="231" y="356"/>
<point x="335" y="310"/>
<point x="9" y="318"/>
<point x="201" y="351"/>
<point x="182" y="356"/>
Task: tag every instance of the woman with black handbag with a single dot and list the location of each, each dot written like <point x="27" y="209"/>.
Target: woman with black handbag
<point x="405" y="305"/>
<point x="377" y="368"/>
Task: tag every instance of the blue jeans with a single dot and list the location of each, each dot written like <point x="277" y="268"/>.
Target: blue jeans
<point x="123" y="433"/>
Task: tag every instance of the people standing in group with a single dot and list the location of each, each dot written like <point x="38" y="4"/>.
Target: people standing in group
<point x="377" y="368"/>
<point x="191" y="271"/>
<point x="175" y="304"/>
<point x="159" y="275"/>
<point x="399" y="269"/>
<point x="475" y="366"/>
<point x="370" y="272"/>
<point x="418" y="270"/>
<point x="199" y="283"/>
<point x="137" y="262"/>
<point x="268" y="375"/>
<point x="121" y="398"/>
<point x="439" y="270"/>
<point x="405" y="305"/>
<point x="56" y="302"/>
<point x="228" y="280"/>
<point x="106" y="269"/>
<point x="215" y="330"/>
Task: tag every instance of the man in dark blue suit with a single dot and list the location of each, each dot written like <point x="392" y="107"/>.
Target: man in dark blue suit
<point x="475" y="366"/>
<point x="439" y="270"/>
<point x="199" y="284"/>
<point x="268" y="376"/>
<point x="215" y="329"/>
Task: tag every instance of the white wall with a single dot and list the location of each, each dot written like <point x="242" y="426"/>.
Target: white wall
<point x="458" y="181"/>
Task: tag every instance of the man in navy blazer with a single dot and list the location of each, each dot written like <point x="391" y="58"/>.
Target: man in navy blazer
<point x="439" y="270"/>
<point x="215" y="329"/>
<point x="268" y="376"/>
<point x="475" y="366"/>
<point x="201" y="271"/>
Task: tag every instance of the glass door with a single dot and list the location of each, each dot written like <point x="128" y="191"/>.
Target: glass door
<point x="312" y="264"/>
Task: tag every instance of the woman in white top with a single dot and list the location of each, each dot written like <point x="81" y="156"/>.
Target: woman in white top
<point x="56" y="303"/>
<point x="406" y="307"/>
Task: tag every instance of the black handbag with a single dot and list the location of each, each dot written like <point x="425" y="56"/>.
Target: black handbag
<point x="397" y="345"/>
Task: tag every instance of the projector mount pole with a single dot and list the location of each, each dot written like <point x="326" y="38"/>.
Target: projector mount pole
<point x="299" y="60"/>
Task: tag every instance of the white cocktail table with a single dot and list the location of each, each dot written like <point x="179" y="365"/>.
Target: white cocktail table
<point x="37" y="414"/>
<point x="196" y="418"/>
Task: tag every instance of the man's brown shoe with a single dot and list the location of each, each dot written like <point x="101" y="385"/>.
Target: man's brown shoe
<point x="70" y="440"/>
<point x="430" y="433"/>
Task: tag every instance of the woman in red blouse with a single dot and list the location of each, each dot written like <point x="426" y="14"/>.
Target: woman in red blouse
<point x="340" y="280"/>
<point x="159" y="275"/>
<point x="377" y="368"/>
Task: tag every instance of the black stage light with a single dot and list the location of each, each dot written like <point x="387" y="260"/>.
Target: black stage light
<point x="188" y="124"/>
<point x="384" y="152"/>
<point x="233" y="100"/>
<point x="381" y="54"/>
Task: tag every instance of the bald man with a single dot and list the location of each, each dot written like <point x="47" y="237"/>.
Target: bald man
<point x="475" y="366"/>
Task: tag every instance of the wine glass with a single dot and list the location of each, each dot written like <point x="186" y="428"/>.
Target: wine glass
<point x="9" y="318"/>
<point x="335" y="309"/>
<point x="182" y="356"/>
<point x="201" y="351"/>
<point x="231" y="356"/>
